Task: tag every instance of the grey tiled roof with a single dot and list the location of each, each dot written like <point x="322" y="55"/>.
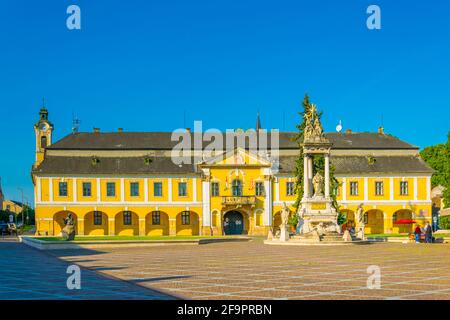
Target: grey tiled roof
<point x="162" y="141"/>
<point x="161" y="165"/>
<point x="361" y="164"/>
<point x="110" y="165"/>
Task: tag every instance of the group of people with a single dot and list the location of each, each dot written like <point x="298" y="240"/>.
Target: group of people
<point x="427" y="230"/>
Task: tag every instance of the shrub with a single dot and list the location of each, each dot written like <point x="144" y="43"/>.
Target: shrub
<point x="444" y="222"/>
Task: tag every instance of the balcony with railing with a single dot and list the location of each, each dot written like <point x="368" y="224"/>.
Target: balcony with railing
<point x="239" y="200"/>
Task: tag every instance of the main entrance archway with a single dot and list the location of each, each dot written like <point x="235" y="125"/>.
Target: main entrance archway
<point x="233" y="223"/>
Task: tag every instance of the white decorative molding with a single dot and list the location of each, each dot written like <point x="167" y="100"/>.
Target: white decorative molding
<point x="194" y="189"/>
<point x="428" y="188"/>
<point x="145" y="189"/>
<point x="38" y="190"/>
<point x="385" y="202"/>
<point x="122" y="189"/>
<point x="75" y="189"/>
<point x="99" y="192"/>
<point x="120" y="203"/>
<point x="169" y="188"/>
<point x="344" y="189"/>
<point x="415" y="189"/>
<point x="50" y="191"/>
<point x="206" y="207"/>
<point x="267" y="221"/>
<point x="391" y="188"/>
<point x="366" y="189"/>
<point x="277" y="190"/>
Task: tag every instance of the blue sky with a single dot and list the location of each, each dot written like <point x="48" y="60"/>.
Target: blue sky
<point x="141" y="65"/>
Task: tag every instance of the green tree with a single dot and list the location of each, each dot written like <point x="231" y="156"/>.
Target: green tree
<point x="436" y="156"/>
<point x="318" y="163"/>
<point x="447" y="173"/>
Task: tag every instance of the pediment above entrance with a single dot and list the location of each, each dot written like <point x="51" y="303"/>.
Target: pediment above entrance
<point x="236" y="157"/>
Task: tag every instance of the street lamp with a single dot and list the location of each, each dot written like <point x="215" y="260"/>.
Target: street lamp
<point x="21" y="190"/>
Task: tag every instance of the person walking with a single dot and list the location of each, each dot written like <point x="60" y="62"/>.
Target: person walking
<point x="428" y="233"/>
<point x="417" y="233"/>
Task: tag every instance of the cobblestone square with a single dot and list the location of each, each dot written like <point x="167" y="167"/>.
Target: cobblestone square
<point x="256" y="271"/>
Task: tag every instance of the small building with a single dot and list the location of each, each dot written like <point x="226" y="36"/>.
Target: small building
<point x="13" y="206"/>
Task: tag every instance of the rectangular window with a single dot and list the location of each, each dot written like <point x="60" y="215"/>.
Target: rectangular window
<point x="63" y="189"/>
<point x="182" y="189"/>
<point x="97" y="218"/>
<point x="290" y="188"/>
<point x="185" y="218"/>
<point x="337" y="191"/>
<point x="404" y="188"/>
<point x="157" y="189"/>
<point x="354" y="188"/>
<point x="379" y="188"/>
<point x="214" y="189"/>
<point x="110" y="189"/>
<point x="156" y="218"/>
<point x="127" y="218"/>
<point x="259" y="189"/>
<point x="87" y="189"/>
<point x="134" y="189"/>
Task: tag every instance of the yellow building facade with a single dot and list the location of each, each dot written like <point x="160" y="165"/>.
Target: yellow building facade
<point x="126" y="183"/>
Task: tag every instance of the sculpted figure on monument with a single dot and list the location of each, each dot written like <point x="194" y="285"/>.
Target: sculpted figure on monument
<point x="68" y="232"/>
<point x="360" y="215"/>
<point x="318" y="185"/>
<point x="318" y="131"/>
<point x="285" y="215"/>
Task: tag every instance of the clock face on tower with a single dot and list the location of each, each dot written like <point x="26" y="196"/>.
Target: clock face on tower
<point x="43" y="127"/>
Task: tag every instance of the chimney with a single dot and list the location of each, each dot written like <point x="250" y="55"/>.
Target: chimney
<point x="120" y="130"/>
<point x="380" y="130"/>
<point x="348" y="131"/>
<point x="96" y="130"/>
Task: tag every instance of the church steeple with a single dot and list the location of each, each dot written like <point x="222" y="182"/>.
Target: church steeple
<point x="258" y="122"/>
<point x="43" y="130"/>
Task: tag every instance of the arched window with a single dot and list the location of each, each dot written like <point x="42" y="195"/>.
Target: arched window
<point x="127" y="218"/>
<point x="156" y="218"/>
<point x="185" y="218"/>
<point x="43" y="142"/>
<point x="236" y="188"/>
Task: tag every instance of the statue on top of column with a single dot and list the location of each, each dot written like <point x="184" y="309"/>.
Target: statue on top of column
<point x="313" y="130"/>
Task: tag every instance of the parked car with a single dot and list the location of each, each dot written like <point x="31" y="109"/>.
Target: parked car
<point x="4" y="228"/>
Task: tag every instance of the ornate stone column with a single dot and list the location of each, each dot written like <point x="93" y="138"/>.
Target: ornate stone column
<point x="327" y="175"/>
<point x="206" y="204"/>
<point x="310" y="174"/>
<point x="305" y="176"/>
<point x="268" y="202"/>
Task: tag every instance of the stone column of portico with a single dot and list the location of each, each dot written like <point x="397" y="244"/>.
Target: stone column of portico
<point x="268" y="203"/>
<point x="327" y="175"/>
<point x="305" y="177"/>
<point x="206" y="207"/>
<point x="310" y="174"/>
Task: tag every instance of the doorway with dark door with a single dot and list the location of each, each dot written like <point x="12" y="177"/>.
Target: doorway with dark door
<point x="233" y="223"/>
